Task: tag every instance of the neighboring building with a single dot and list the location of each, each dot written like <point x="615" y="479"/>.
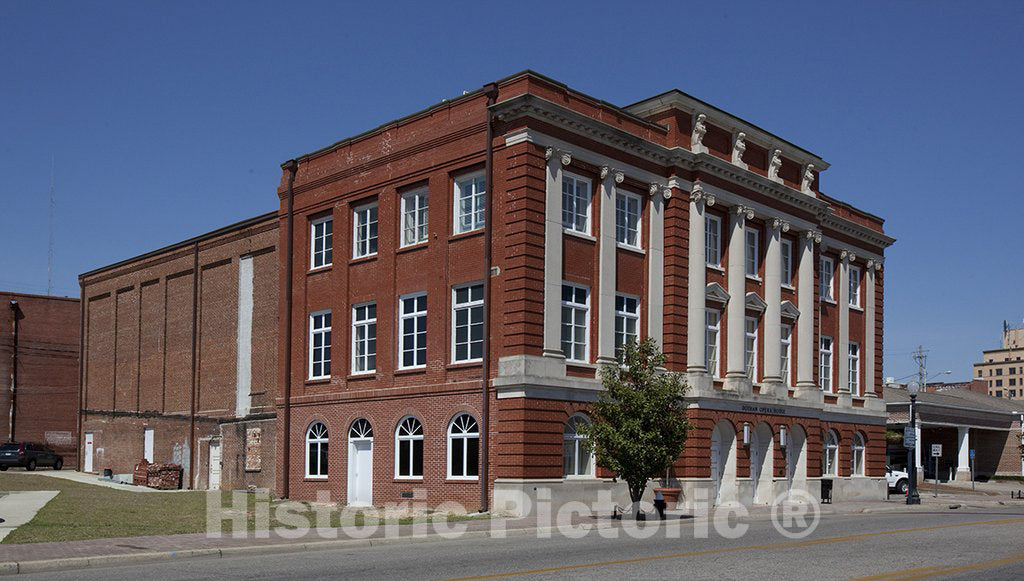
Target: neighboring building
<point x="975" y="385"/>
<point x="960" y="420"/>
<point x="39" y="342"/>
<point x="183" y="369"/>
<point x="668" y="219"/>
<point x="1003" y="369"/>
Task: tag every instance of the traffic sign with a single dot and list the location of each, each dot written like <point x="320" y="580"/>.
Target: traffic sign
<point x="936" y="450"/>
<point x="972" y="454"/>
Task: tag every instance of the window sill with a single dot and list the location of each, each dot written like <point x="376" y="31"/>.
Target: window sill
<point x="408" y="479"/>
<point x="319" y="269"/>
<point x="318" y="380"/>
<point x="465" y="364"/>
<point x="579" y="477"/>
<point x="361" y="376"/>
<point x="715" y="267"/>
<point x="788" y="287"/>
<point x="460" y="235"/>
<point x="462" y="479"/>
<point x="580" y="364"/>
<point x="628" y="248"/>
<point x="754" y="278"/>
<point x="411" y="247"/>
<point x="362" y="259"/>
<point x="314" y="479"/>
<point x="856" y="308"/>
<point x="578" y="234"/>
<point x="828" y="300"/>
<point x="411" y="370"/>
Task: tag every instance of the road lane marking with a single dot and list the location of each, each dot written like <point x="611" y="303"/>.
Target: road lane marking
<point x="727" y="550"/>
<point x="942" y="570"/>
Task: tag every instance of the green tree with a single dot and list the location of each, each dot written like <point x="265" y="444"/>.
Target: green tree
<point x="640" y="423"/>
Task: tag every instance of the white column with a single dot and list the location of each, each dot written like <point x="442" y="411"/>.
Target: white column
<point x="553" y="253"/>
<point x="737" y="282"/>
<point x="773" y="311"/>
<point x="656" y="265"/>
<point x="806" y="352"/>
<point x="963" y="457"/>
<point x="869" y="330"/>
<point x="842" y="354"/>
<point x="696" y="283"/>
<point x="607" y="246"/>
<point x="917" y="448"/>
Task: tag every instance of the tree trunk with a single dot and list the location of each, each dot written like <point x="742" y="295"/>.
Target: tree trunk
<point x="636" y="492"/>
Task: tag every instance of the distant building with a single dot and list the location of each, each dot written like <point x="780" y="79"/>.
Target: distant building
<point x="975" y="385"/>
<point x="39" y="338"/>
<point x="1003" y="369"/>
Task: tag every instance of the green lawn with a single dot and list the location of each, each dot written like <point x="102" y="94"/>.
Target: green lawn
<point x="84" y="511"/>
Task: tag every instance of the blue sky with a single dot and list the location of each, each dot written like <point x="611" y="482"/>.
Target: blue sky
<point x="166" y="120"/>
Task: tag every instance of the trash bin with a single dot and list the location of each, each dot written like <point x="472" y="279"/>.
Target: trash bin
<point x="826" y="491"/>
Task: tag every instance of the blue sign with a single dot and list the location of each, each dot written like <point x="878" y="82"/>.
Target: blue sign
<point x="972" y="454"/>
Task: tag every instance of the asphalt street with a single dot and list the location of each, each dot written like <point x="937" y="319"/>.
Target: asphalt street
<point x="924" y="544"/>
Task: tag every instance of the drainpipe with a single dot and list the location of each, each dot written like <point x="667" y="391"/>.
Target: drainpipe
<point x="491" y="91"/>
<point x="81" y="373"/>
<point x="195" y="349"/>
<point x="292" y="167"/>
<point x="14" y="369"/>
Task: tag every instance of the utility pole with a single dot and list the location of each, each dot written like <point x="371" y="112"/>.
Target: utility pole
<point x="921" y="357"/>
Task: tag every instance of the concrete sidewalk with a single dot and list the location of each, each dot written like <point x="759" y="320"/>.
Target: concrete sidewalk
<point x="17" y="508"/>
<point x="86" y="478"/>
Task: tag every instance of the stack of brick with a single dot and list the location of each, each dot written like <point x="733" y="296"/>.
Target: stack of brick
<point x="164" y="476"/>
<point x="140" y="477"/>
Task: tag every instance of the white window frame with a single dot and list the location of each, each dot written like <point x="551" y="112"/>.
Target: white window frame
<point x="477" y="198"/>
<point x="853" y="368"/>
<point x="713" y="240"/>
<point x="320" y="440"/>
<point x="571" y="192"/>
<point x="787" y="353"/>
<point x="854" y="279"/>
<point x="712" y="349"/>
<point x="325" y="254"/>
<point x="577" y="310"/>
<point x="366" y="243"/>
<point x="325" y="362"/>
<point x="626" y="319"/>
<point x="750" y="347"/>
<point x="751" y="253"/>
<point x="469" y="306"/>
<point x="826" y="278"/>
<point x="786" y="246"/>
<point x="578" y="448"/>
<point x="361" y="363"/>
<point x="462" y="438"/>
<point x="411" y="437"/>
<point x="857" y="459"/>
<point x="419" y="333"/>
<point x="628" y="223"/>
<point x="825" y="368"/>
<point x="415" y="217"/>
<point x="831" y="449"/>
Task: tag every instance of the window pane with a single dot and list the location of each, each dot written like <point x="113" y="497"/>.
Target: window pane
<point x="473" y="457"/>
<point x="404" y="455"/>
<point x="457" y="456"/>
<point x="417" y="457"/>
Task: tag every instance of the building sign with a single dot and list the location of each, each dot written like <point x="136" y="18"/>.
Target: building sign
<point x="764" y="409"/>
<point x="909" y="437"/>
<point x="59" y="439"/>
<point x="253" y="441"/>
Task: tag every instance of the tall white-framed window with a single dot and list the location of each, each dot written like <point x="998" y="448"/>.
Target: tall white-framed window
<point x="414" y="217"/>
<point x="786" y="247"/>
<point x="409" y="449"/>
<point x="320" y="345"/>
<point x="364" y="338"/>
<point x="470" y="200"/>
<point x="854" y="368"/>
<point x="825" y="364"/>
<point x="855" y="286"/>
<point x="577" y="457"/>
<point x="787" y="352"/>
<point x="750" y="347"/>
<point x="576" y="203"/>
<point x="712" y="323"/>
<point x="321" y="247"/>
<point x="463" y="448"/>
<point x="412" y="331"/>
<point x="857" y="461"/>
<point x="627" y="218"/>
<point x="752" y="246"/>
<point x="468" y="323"/>
<point x="712" y="240"/>
<point x="627" y="321"/>
<point x="825" y="275"/>
<point x="364" y="224"/>
<point x="316" y="451"/>
<point x="575" y="322"/>
<point x="831" y="457"/>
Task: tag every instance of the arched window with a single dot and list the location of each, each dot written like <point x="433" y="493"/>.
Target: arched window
<point x="577" y="459"/>
<point x="316" y="451"/>
<point x="463" y="447"/>
<point x="858" y="455"/>
<point x="831" y="456"/>
<point x="409" y="443"/>
<point x="360" y="430"/>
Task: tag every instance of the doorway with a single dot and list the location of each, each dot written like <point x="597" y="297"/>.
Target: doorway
<point x="360" y="464"/>
<point x="215" y="465"/>
<point x="88" y="452"/>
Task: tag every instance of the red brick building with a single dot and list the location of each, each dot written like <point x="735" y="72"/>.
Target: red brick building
<point x="180" y="368"/>
<point x="39" y="338"/>
<point x="668" y="219"/>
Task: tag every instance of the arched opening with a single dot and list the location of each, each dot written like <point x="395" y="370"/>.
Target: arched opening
<point x="360" y="463"/>
<point x="762" y="463"/>
<point x="796" y="459"/>
<point x="723" y="463"/>
<point x="577" y="458"/>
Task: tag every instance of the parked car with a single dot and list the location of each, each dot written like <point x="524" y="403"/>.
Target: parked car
<point x="28" y="455"/>
<point x="898" y="480"/>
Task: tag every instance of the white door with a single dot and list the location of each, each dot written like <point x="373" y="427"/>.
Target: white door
<point x="214" y="466"/>
<point x="88" y="452"/>
<point x="360" y="472"/>
<point x="716" y="465"/>
<point x="147" y="450"/>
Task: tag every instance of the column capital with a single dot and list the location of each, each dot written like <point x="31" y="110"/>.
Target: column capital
<point x="564" y="156"/>
<point x="847" y="256"/>
<point x="697" y="194"/>
<point x="655" y="187"/>
<point x="874" y="264"/>
<point x="779" y="224"/>
<point x="744" y="211"/>
<point x="813" y="236"/>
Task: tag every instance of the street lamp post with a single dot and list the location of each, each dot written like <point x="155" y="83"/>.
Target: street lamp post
<point x="912" y="496"/>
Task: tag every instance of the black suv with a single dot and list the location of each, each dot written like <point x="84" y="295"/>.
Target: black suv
<point x="29" y="456"/>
